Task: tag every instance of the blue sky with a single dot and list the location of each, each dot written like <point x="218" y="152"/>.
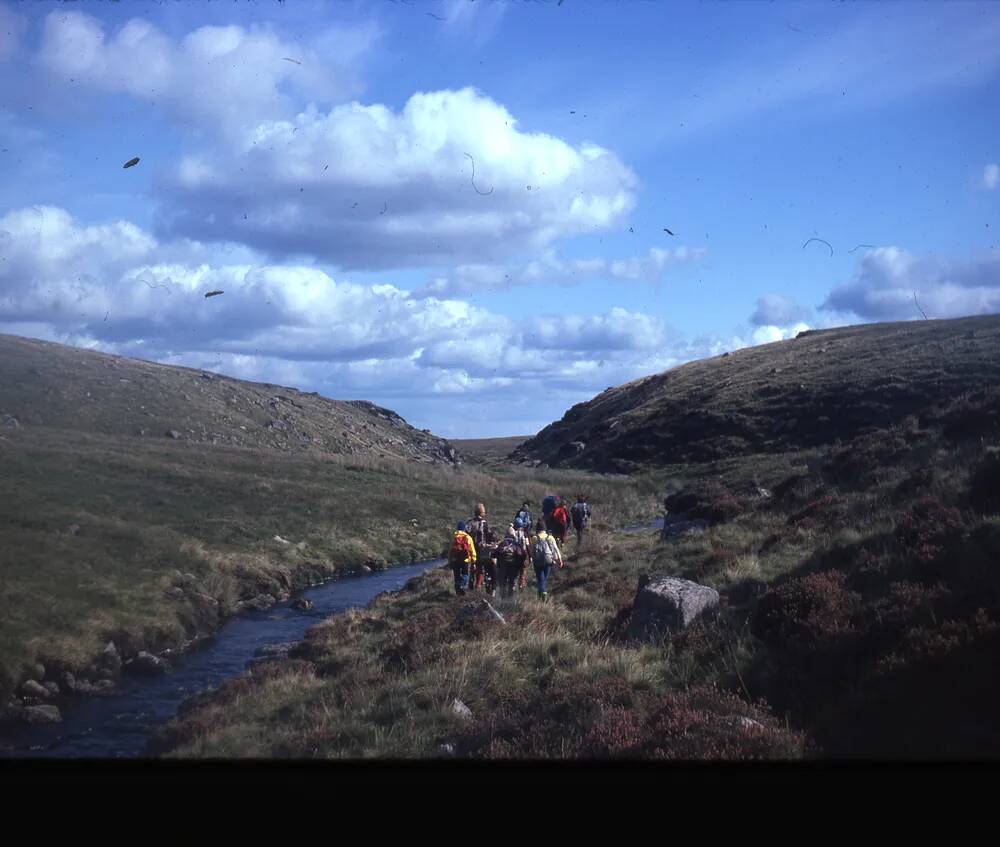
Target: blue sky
<point x="315" y="162"/>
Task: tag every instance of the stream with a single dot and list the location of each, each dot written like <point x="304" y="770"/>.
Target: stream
<point x="120" y="725"/>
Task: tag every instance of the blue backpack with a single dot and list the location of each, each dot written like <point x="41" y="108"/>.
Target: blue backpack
<point x="549" y="504"/>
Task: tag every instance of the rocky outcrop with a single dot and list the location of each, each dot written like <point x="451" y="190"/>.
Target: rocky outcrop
<point x="665" y="603"/>
<point x="42" y="714"/>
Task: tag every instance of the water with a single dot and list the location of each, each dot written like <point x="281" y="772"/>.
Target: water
<point x="649" y="526"/>
<point x="119" y="726"/>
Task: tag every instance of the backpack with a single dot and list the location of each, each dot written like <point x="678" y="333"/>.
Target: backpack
<point x="525" y="516"/>
<point x="544" y="554"/>
<point x="509" y="552"/>
<point x="478" y="527"/>
<point x="560" y="516"/>
<point x="549" y="504"/>
<point x="460" y="550"/>
<point x="580" y="513"/>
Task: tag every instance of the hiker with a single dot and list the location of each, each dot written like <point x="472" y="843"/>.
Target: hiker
<point x="461" y="557"/>
<point x="560" y="521"/>
<point x="511" y="557"/>
<point x="521" y="535"/>
<point x="544" y="555"/>
<point x="548" y="507"/>
<point x="525" y="515"/>
<point x="487" y="560"/>
<point x="580" y="514"/>
<point x="478" y="529"/>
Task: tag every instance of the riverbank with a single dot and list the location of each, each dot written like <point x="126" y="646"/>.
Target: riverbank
<point x="150" y="549"/>
<point x="119" y="726"/>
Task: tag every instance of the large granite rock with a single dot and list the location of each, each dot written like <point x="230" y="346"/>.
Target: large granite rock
<point x="667" y="603"/>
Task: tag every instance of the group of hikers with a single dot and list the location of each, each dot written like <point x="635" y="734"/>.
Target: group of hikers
<point x="479" y="559"/>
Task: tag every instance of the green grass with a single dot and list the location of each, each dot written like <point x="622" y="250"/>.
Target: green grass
<point x="159" y="507"/>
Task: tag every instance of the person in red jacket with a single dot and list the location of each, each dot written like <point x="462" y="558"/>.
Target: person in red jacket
<point x="560" y="520"/>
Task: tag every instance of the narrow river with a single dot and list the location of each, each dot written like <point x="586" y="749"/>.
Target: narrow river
<point x="120" y="725"/>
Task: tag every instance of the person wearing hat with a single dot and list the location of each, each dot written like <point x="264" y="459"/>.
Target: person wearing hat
<point x="461" y="557"/>
<point x="511" y="556"/>
<point x="522" y="534"/>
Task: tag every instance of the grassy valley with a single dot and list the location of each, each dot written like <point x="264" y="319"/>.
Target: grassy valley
<point x="858" y="569"/>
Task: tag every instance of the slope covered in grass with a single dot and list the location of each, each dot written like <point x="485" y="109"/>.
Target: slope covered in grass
<point x="52" y="385"/>
<point x="818" y="388"/>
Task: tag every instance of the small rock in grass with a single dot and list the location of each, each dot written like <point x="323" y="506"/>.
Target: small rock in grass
<point x="460" y="709"/>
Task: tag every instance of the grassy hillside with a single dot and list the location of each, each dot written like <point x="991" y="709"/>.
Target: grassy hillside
<point x="860" y="615"/>
<point x="51" y="385"/>
<point x="816" y="389"/>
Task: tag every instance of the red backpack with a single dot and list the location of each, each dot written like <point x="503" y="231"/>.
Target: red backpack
<point x="461" y="549"/>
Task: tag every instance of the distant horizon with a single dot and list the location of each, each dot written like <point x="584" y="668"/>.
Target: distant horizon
<point x="481" y="214"/>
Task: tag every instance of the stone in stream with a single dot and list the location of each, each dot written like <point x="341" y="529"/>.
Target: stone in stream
<point x="32" y="688"/>
<point x="146" y="664"/>
<point x="42" y="714"/>
<point x="110" y="659"/>
<point x="260" y="603"/>
<point x="281" y="649"/>
<point x="665" y="603"/>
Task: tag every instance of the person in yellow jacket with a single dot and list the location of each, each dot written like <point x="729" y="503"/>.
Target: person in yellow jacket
<point x="461" y="556"/>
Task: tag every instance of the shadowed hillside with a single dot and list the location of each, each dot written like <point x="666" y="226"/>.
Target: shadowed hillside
<point x="822" y="386"/>
<point x="51" y="385"/>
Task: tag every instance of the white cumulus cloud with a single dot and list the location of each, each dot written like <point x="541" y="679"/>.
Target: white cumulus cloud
<point x="894" y="284"/>
<point x="366" y="187"/>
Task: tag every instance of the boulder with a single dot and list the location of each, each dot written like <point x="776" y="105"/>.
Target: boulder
<point x="42" y="714"/>
<point x="446" y="750"/>
<point x="460" y="709"/>
<point x="174" y="593"/>
<point x="146" y="664"/>
<point x="303" y="604"/>
<point x="173" y="433"/>
<point x="67" y="682"/>
<point x="110" y="659"/>
<point x="667" y="603"/>
<point x="260" y="603"/>
<point x="73" y="529"/>
<point x="51" y="687"/>
<point x="33" y="688"/>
